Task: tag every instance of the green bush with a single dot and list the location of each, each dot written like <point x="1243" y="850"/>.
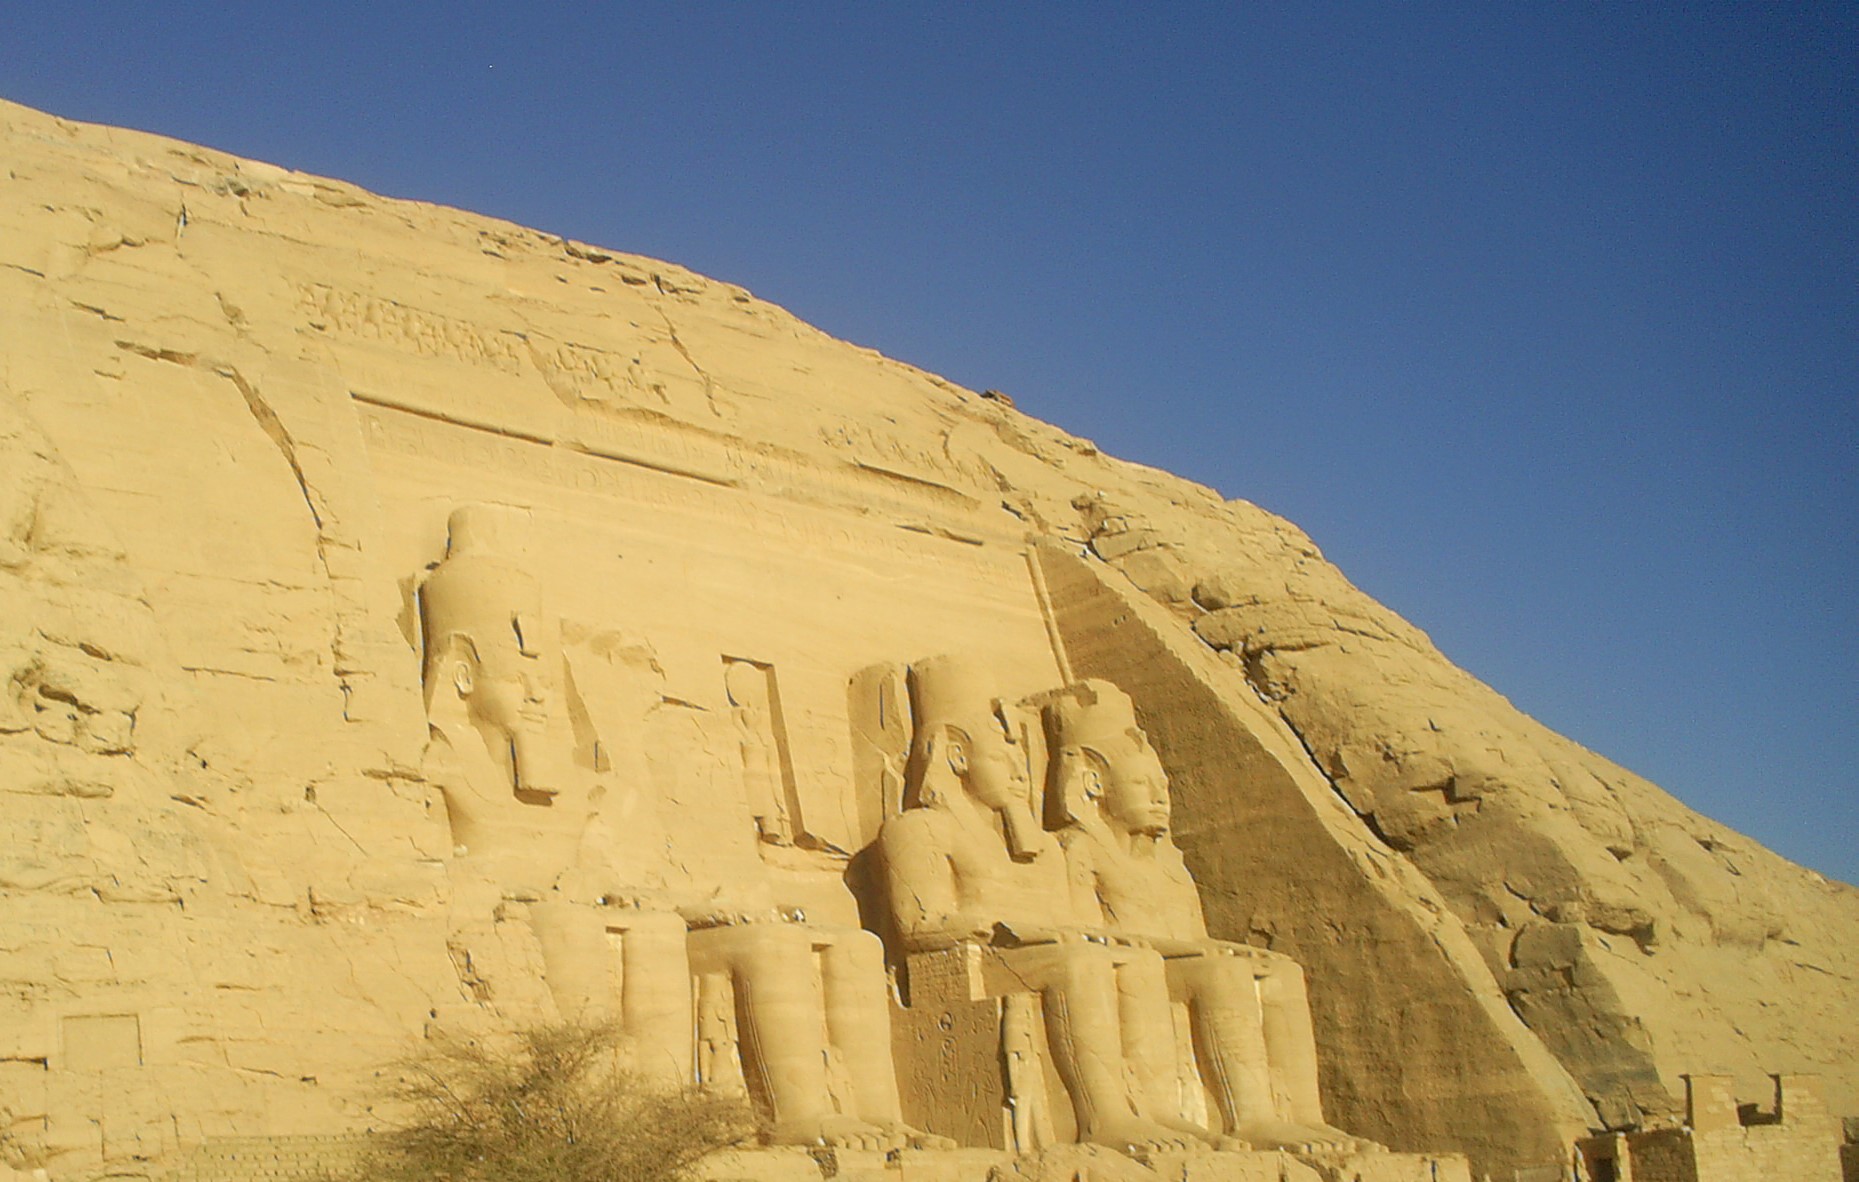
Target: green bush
<point x="546" y="1104"/>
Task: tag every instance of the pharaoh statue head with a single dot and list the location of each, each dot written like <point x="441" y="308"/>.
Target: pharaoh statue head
<point x="964" y="746"/>
<point x="1103" y="768"/>
<point x="481" y="617"/>
<point x="962" y="740"/>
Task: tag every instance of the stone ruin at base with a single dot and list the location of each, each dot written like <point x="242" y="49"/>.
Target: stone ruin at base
<point x="420" y="625"/>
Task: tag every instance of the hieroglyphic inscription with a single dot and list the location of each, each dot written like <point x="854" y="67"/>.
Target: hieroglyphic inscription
<point x="612" y="380"/>
<point x="693" y="454"/>
<point x="570" y="369"/>
<point x="685" y="452"/>
<point x="534" y="460"/>
<point x="891" y="454"/>
<point x="914" y="503"/>
<point x="577" y="373"/>
<point x="427" y="334"/>
<point x="574" y="372"/>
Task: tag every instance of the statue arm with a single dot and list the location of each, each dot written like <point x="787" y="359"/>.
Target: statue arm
<point x="469" y="814"/>
<point x="1190" y="921"/>
<point x="596" y="870"/>
<point x="920" y="880"/>
<point x="1081" y="873"/>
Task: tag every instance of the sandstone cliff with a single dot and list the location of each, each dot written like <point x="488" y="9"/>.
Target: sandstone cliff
<point x="220" y="862"/>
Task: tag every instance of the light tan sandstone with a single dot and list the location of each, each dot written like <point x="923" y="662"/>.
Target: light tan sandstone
<point x="414" y="621"/>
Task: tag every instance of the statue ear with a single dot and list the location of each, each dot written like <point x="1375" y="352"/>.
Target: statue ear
<point x="461" y="677"/>
<point x="1084" y="782"/>
<point x="955" y="750"/>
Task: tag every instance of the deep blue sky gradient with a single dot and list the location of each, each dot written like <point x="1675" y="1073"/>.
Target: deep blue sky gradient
<point x="1543" y="320"/>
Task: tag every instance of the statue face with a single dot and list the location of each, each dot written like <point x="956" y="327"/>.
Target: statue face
<point x="511" y="695"/>
<point x="507" y="698"/>
<point x="996" y="772"/>
<point x="1136" y="794"/>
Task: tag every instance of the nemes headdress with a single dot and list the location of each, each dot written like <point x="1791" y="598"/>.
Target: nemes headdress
<point x="1087" y="722"/>
<point x="950" y="690"/>
<point x="1092" y="713"/>
<point x="945" y="691"/>
<point x="477" y="592"/>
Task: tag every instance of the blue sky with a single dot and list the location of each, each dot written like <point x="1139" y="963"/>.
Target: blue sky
<point x="1543" y="320"/>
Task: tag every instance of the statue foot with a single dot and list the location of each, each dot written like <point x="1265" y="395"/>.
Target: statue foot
<point x="1331" y="1137"/>
<point x="836" y="1132"/>
<point x="1196" y="1136"/>
<point x="1296" y="1138"/>
<point x="902" y="1135"/>
<point x="916" y="1139"/>
<point x="1140" y="1138"/>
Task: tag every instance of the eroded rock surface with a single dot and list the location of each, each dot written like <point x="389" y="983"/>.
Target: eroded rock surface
<point x="277" y="804"/>
<point x="1628" y="931"/>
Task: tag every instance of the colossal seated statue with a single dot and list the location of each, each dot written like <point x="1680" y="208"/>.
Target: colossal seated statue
<point x="967" y="868"/>
<point x="792" y="1010"/>
<point x="489" y="691"/>
<point x="1248" y="1011"/>
<point x="518" y="815"/>
<point x="785" y="1009"/>
<point x="1093" y="933"/>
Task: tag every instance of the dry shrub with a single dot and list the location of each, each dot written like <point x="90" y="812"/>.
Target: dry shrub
<point x="546" y="1104"/>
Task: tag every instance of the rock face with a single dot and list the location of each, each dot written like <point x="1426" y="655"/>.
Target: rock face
<point x="416" y="621"/>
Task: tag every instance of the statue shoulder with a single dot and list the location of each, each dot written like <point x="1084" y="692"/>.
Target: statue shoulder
<point x="1087" y="853"/>
<point x="1078" y="840"/>
<point x="912" y="829"/>
<point x="1174" y="864"/>
<point x="438" y="760"/>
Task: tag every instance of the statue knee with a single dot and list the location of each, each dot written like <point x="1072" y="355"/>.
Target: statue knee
<point x="651" y="925"/>
<point x="774" y="949"/>
<point x="755" y="949"/>
<point x="1217" y="979"/>
<point x="1143" y="963"/>
<point x="1082" y="968"/>
<point x="856" y="957"/>
<point x="1283" y="977"/>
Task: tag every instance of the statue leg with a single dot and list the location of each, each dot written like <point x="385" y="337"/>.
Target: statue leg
<point x="1229" y="1040"/>
<point x="1078" y="984"/>
<point x="858" y="1025"/>
<point x="575" y="961"/>
<point x="607" y="965"/>
<point x="1148" y="1031"/>
<point x="1241" y="1028"/>
<point x="1290" y="1042"/>
<point x="655" y="993"/>
<point x="858" y="1022"/>
<point x="782" y="1029"/>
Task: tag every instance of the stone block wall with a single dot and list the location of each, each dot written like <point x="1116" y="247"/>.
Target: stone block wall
<point x="1722" y="1141"/>
<point x="269" y="1159"/>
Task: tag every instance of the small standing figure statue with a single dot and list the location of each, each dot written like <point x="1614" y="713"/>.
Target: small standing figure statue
<point x="747" y="686"/>
<point x="1031" y="1124"/>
